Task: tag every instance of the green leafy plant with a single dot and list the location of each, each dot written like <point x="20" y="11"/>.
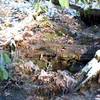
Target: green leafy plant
<point x="39" y="8"/>
<point x="64" y="3"/>
<point x="4" y="60"/>
<point x="3" y="73"/>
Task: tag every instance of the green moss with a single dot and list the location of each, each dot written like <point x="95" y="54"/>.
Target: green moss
<point x="51" y="36"/>
<point x="60" y="33"/>
<point x="42" y="64"/>
<point x="87" y="12"/>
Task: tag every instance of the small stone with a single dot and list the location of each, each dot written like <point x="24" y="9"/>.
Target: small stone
<point x="29" y="65"/>
<point x="43" y="73"/>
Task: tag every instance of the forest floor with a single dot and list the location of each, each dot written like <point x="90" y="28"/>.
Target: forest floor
<point x="50" y="50"/>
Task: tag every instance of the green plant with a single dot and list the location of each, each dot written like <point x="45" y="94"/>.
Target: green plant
<point x="3" y="73"/>
<point x="39" y="8"/>
<point x="64" y="3"/>
<point x="4" y="60"/>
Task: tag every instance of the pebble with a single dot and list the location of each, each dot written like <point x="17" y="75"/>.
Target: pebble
<point x="30" y="65"/>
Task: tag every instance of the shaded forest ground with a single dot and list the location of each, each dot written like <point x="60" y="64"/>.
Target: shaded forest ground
<point x="49" y="51"/>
